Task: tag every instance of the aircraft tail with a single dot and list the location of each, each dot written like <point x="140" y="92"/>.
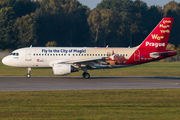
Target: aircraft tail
<point x="158" y="38"/>
<point x="154" y="46"/>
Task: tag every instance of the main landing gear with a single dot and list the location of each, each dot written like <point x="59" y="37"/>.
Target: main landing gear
<point x="86" y="75"/>
<point x="29" y="73"/>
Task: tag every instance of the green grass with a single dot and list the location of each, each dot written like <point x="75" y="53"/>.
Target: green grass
<point x="156" y="104"/>
<point x="162" y="104"/>
<point x="149" y="69"/>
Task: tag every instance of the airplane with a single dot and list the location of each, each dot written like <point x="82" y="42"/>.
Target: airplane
<point x="64" y="60"/>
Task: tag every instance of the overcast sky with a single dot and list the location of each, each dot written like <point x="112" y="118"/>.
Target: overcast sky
<point x="93" y="3"/>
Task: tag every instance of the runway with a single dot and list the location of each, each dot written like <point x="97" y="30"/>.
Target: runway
<point x="71" y="83"/>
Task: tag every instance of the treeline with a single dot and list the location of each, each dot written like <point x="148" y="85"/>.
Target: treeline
<point x="117" y="23"/>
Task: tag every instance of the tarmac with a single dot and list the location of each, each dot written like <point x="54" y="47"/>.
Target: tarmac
<point x="47" y="83"/>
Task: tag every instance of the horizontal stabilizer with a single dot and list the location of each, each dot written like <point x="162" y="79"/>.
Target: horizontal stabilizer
<point x="158" y="54"/>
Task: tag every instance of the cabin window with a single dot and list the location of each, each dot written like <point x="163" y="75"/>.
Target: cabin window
<point x="87" y="54"/>
<point x="126" y="54"/>
<point x="34" y="54"/>
<point x="39" y="54"/>
<point x="45" y="54"/>
<point x="76" y="54"/>
<point x="84" y="54"/>
<point x="64" y="54"/>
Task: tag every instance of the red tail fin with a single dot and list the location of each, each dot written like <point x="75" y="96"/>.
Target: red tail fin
<point x="159" y="37"/>
<point x="154" y="46"/>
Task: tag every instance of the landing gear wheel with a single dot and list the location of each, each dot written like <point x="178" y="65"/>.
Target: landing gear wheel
<point x="83" y="74"/>
<point x="86" y="75"/>
<point x="28" y="75"/>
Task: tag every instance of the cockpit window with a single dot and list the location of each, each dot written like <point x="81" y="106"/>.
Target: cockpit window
<point x="15" y="54"/>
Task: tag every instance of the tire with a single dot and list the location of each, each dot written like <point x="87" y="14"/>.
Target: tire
<point x="87" y="75"/>
<point x="28" y="75"/>
<point x="83" y="74"/>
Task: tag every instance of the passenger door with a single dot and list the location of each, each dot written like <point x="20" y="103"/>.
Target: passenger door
<point x="28" y="55"/>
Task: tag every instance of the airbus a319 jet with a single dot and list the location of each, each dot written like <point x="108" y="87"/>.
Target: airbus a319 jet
<point x="64" y="60"/>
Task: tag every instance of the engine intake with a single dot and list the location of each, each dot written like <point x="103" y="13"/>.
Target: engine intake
<point x="63" y="69"/>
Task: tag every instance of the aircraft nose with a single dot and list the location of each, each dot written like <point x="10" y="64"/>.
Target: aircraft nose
<point x="5" y="61"/>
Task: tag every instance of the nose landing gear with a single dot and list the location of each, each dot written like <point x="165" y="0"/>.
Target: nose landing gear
<point x="29" y="73"/>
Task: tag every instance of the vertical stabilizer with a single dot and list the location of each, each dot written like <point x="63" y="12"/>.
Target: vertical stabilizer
<point x="158" y="38"/>
<point x="154" y="46"/>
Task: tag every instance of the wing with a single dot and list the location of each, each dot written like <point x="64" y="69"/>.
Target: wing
<point x="89" y="62"/>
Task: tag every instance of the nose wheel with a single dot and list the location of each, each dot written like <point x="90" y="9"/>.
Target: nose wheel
<point x="29" y="73"/>
<point x="86" y="75"/>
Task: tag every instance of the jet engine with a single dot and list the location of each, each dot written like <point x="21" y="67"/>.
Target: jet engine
<point x="63" y="69"/>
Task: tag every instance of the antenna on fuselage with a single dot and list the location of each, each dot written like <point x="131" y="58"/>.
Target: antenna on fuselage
<point x="107" y="46"/>
<point x="31" y="46"/>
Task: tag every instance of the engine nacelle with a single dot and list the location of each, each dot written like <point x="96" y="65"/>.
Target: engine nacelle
<point x="63" y="69"/>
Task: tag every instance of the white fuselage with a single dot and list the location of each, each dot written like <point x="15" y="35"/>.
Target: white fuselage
<point x="40" y="57"/>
